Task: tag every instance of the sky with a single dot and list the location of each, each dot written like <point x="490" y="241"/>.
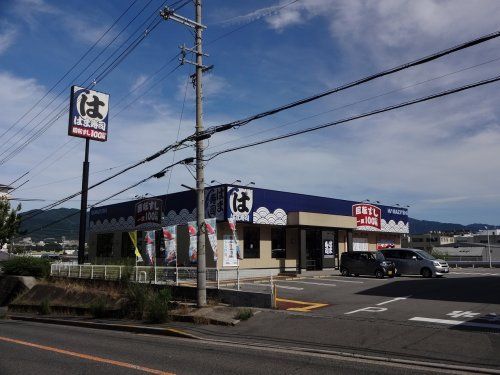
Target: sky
<point x="441" y="157"/>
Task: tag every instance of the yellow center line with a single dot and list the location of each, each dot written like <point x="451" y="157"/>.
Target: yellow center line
<point x="86" y="356"/>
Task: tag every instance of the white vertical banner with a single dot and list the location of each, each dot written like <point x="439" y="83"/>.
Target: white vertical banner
<point x="211" y="225"/>
<point x="193" y="241"/>
<point x="232" y="226"/>
<point x="230" y="258"/>
<point x="170" y="239"/>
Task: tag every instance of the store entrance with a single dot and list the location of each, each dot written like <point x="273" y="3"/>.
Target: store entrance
<point x="314" y="250"/>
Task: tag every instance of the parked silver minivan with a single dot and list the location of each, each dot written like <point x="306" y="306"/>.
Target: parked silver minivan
<point x="416" y="262"/>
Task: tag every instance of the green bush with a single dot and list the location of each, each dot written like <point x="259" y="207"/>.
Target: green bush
<point x="98" y="307"/>
<point x="45" y="307"/>
<point x="244" y="314"/>
<point x="157" y="306"/>
<point x="137" y="295"/>
<point x="26" y="266"/>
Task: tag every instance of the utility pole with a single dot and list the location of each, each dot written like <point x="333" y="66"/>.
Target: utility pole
<point x="200" y="173"/>
<point x="167" y="13"/>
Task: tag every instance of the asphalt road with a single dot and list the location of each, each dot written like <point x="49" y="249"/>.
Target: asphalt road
<point x="34" y="348"/>
<point x="452" y="321"/>
<point x="448" y="320"/>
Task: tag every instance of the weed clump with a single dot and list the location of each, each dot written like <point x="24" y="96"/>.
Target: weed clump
<point x="157" y="306"/>
<point x="244" y="314"/>
<point x="98" y="307"/>
<point x="45" y="307"/>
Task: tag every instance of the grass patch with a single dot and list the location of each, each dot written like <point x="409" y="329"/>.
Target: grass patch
<point x="244" y="314"/>
<point x="157" y="306"/>
<point x="45" y="307"/>
<point x="98" y="307"/>
<point x="26" y="266"/>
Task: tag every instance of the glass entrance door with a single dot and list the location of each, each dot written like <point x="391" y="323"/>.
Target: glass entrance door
<point x="314" y="250"/>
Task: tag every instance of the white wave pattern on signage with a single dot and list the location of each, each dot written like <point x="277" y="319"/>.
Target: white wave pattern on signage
<point x="391" y="226"/>
<point x="174" y="218"/>
<point x="122" y="224"/>
<point x="112" y="225"/>
<point x="263" y="216"/>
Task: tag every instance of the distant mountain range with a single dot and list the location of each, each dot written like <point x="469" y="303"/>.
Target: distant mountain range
<point x="67" y="221"/>
<point x="38" y="227"/>
<point x="424" y="226"/>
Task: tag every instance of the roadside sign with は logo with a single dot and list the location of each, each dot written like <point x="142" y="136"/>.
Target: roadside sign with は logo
<point x="88" y="114"/>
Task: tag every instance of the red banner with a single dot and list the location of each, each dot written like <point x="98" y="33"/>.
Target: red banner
<point x="367" y="215"/>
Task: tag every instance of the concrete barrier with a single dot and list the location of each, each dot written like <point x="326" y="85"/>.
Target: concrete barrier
<point x="231" y="297"/>
<point x="12" y="286"/>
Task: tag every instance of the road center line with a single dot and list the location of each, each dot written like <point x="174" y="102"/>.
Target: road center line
<point x="85" y="356"/>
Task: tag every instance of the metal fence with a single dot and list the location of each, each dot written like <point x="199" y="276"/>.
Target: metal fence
<point x="472" y="264"/>
<point x="253" y="279"/>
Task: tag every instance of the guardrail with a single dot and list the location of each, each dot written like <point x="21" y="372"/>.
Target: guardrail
<point x="253" y="279"/>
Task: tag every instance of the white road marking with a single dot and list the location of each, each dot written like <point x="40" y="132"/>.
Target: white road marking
<point x="344" y="281"/>
<point x="392" y="300"/>
<point x="288" y="287"/>
<point x="475" y="273"/>
<point x="462" y="314"/>
<point x="455" y="322"/>
<point x="368" y="309"/>
<point x="311" y="283"/>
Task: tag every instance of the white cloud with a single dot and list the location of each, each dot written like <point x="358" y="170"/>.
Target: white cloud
<point x="7" y="36"/>
<point x="29" y="11"/>
<point x="139" y="81"/>
<point x="213" y="86"/>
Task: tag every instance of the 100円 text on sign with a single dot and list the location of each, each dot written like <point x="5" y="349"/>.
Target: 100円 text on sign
<point x="88" y="114"/>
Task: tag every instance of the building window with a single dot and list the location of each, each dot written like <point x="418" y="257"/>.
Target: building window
<point x="104" y="245"/>
<point x="278" y="243"/>
<point x="251" y="240"/>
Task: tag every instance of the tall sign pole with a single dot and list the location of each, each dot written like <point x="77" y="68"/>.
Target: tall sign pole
<point x="83" y="206"/>
<point x="88" y="118"/>
<point x="200" y="173"/>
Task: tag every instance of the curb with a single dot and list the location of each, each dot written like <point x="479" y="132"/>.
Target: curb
<point x="172" y="332"/>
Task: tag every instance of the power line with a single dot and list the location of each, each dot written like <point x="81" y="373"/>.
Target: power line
<point x="101" y="76"/>
<point x="70" y="69"/>
<point x="420" y="61"/>
<point x="76" y="77"/>
<point x="207" y="133"/>
<point x="267" y="130"/>
<point x="363" y="115"/>
<point x="161" y="173"/>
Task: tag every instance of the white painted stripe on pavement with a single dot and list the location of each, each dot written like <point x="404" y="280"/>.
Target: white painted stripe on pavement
<point x="344" y="281"/>
<point x="352" y="281"/>
<point x="475" y="273"/>
<point x="289" y="287"/>
<point x="307" y="282"/>
<point x="392" y="300"/>
<point x="455" y="322"/>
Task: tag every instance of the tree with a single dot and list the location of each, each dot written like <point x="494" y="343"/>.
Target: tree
<point x="9" y="221"/>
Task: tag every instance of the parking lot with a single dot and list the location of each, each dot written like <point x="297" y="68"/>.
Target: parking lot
<point x="465" y="299"/>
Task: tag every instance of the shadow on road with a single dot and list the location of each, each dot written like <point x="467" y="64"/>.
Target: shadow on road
<point x="466" y="289"/>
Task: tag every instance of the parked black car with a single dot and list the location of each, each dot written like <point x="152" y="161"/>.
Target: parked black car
<point x="366" y="263"/>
